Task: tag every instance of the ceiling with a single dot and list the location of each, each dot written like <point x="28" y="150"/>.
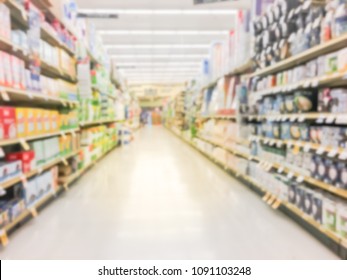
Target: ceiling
<point x="156" y="40"/>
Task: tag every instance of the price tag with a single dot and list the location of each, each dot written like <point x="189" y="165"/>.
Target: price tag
<point x="293" y="118"/>
<point x="24" y="180"/>
<point x="269" y="167"/>
<point x="300" y="179"/>
<point x="2" y="153"/>
<point x="301" y="119"/>
<point x="39" y="170"/>
<point x="2" y="191"/>
<point x="24" y="144"/>
<point x="320" y="151"/>
<point x="343" y="156"/>
<point x="306" y="84"/>
<point x="276" y="204"/>
<point x="296" y="149"/>
<point x="272" y="142"/>
<point x="73" y="134"/>
<point x="63" y="135"/>
<point x="271" y="200"/>
<point x="284" y="118"/>
<point x="289" y="144"/>
<point x="266" y="196"/>
<point x="5" y="96"/>
<point x="66" y="187"/>
<point x="320" y="120"/>
<point x="333" y="153"/>
<point x="64" y="161"/>
<point x="280" y="170"/>
<point x="290" y="175"/>
<point x="315" y="83"/>
<point x="4" y="238"/>
<point x="279" y="144"/>
<point x="307" y="147"/>
<point x="330" y="120"/>
<point x="30" y="94"/>
<point x="33" y="212"/>
<point x="266" y="141"/>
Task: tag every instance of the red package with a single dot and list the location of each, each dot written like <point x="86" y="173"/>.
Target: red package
<point x="26" y="157"/>
<point x="8" y="125"/>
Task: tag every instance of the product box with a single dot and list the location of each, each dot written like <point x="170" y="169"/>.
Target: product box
<point x="6" y="60"/>
<point x="292" y="193"/>
<point x="317" y="207"/>
<point x="16" y="207"/>
<point x="300" y="197"/>
<point x="9" y="170"/>
<point x="305" y="101"/>
<point x="39" y="125"/>
<point x="331" y="63"/>
<point x="31" y="192"/>
<point x="46" y="120"/>
<point x="38" y="148"/>
<point x="8" y="126"/>
<point x="342" y="60"/>
<point x="4" y="216"/>
<point x="54" y="175"/>
<point x="27" y="159"/>
<point x="329" y="213"/>
<point x="54" y="116"/>
<point x="308" y="202"/>
<point x="341" y="220"/>
<point x="2" y="70"/>
<point x="22" y="123"/>
<point x="31" y="121"/>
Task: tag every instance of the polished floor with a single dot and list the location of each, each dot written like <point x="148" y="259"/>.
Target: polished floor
<point x="160" y="199"/>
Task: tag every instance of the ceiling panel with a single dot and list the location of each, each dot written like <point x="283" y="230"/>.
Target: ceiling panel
<point x="158" y="22"/>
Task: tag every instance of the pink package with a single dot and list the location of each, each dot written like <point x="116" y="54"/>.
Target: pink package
<point x="2" y="70"/>
<point x="7" y="69"/>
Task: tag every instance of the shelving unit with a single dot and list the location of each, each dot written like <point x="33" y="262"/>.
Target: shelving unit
<point x="321" y="49"/>
<point x="340" y="245"/>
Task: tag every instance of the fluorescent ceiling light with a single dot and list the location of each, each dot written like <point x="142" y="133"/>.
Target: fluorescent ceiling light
<point x="152" y="12"/>
<point x="150" y="69"/>
<point x="159" y="56"/>
<point x="163" y="32"/>
<point x="173" y="46"/>
<point x="151" y="64"/>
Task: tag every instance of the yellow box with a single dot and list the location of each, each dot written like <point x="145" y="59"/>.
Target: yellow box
<point x="39" y="121"/>
<point x="47" y="121"/>
<point x="22" y="123"/>
<point x="31" y="119"/>
<point x="54" y="121"/>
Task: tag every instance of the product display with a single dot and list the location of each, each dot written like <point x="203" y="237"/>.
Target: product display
<point x="52" y="93"/>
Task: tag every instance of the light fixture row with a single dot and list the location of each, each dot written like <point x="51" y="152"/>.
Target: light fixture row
<point x="158" y="12"/>
<point x="164" y="32"/>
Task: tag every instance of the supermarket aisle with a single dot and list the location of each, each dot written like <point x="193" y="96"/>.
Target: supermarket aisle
<point x="159" y="198"/>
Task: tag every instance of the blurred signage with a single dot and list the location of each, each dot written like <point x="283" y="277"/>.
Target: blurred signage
<point x="197" y="2"/>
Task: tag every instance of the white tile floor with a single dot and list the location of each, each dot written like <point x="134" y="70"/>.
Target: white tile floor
<point x="160" y="199"/>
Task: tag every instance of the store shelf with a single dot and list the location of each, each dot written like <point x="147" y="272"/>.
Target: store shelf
<point x="321" y="49"/>
<point x="54" y="72"/>
<point x="224" y="117"/>
<point x="53" y="39"/>
<point x="331" y="80"/>
<point x="28" y="212"/>
<point x="273" y="199"/>
<point x="323" y="117"/>
<point x="278" y="167"/>
<point x="237" y="71"/>
<point x="30" y="138"/>
<point x="36" y="171"/>
<point x="7" y="46"/>
<point x="18" y="13"/>
<point x="37" y="98"/>
<point x="94" y="88"/>
<point x="98" y="122"/>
